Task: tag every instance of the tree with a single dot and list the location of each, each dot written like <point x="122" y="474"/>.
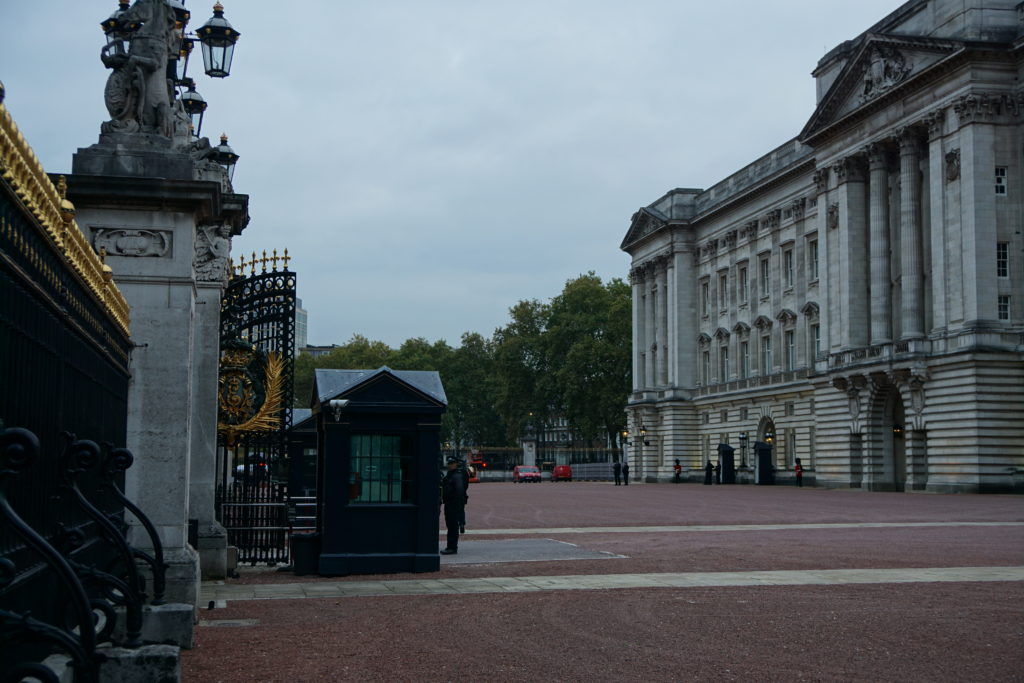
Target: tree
<point x="523" y="391"/>
<point x="589" y="341"/>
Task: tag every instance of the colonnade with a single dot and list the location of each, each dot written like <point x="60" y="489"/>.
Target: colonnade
<point x="893" y="164"/>
<point x="651" y="296"/>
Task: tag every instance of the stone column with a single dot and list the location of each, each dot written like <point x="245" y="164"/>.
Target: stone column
<point x="639" y="340"/>
<point x="211" y="273"/>
<point x="979" y="285"/>
<point x="650" y="345"/>
<point x="911" y="247"/>
<point x="853" y="258"/>
<point x="881" y="275"/>
<point x="662" y="322"/>
<point x="944" y="169"/>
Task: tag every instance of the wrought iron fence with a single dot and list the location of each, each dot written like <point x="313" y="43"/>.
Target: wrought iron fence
<point x="257" y="313"/>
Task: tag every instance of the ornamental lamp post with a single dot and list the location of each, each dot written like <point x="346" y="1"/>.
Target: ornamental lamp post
<point x="181" y="14"/>
<point x="194" y="105"/>
<point x="119" y="30"/>
<point x="181" y="62"/>
<point x="218" y="38"/>
<point x="225" y="156"/>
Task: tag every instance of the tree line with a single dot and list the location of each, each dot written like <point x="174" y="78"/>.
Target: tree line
<point x="566" y="358"/>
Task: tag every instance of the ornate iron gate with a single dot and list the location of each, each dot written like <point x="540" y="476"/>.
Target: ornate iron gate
<point x="255" y="400"/>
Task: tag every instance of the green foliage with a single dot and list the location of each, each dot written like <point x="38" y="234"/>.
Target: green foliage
<point x="567" y="358"/>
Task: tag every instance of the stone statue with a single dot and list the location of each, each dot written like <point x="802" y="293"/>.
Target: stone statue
<point x="213" y="247"/>
<point x="138" y="93"/>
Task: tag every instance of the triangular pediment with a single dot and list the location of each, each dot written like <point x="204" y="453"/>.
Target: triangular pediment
<point x="646" y="221"/>
<point x="882" y="66"/>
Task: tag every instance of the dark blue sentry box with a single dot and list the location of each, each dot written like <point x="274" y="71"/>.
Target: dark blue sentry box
<point x="378" y="468"/>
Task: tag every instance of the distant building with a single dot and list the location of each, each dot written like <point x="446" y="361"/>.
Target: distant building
<point x="301" y="326"/>
<point x="317" y="351"/>
<point x="853" y="298"/>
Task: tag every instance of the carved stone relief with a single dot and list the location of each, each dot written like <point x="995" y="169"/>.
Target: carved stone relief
<point x="213" y="247"/>
<point x="832" y="219"/>
<point x="885" y="68"/>
<point x="952" y="165"/>
<point x="132" y="242"/>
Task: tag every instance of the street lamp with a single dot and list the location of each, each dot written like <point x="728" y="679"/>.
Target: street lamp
<point x="119" y="30"/>
<point x="743" y="448"/>
<point x="225" y="156"/>
<point x="218" y="38"/>
<point x="194" y="105"/>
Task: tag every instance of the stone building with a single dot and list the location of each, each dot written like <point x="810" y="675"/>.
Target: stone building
<point x="854" y="297"/>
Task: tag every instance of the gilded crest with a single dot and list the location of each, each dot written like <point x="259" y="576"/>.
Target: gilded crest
<point x="249" y="390"/>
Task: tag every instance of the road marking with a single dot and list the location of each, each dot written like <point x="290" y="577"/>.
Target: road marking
<point x="724" y="527"/>
<point x="819" y="577"/>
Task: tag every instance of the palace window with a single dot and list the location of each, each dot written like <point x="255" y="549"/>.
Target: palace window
<point x="812" y="260"/>
<point x="1002" y="259"/>
<point x="788" y="272"/>
<point x="723" y="292"/>
<point x="789" y="340"/>
<point x="744" y="289"/>
<point x="815" y="340"/>
<point x="723" y="363"/>
<point x="744" y="359"/>
<point x="1004" y="307"/>
<point x="765" y="275"/>
<point x="705" y="297"/>
<point x="766" y="355"/>
<point x="705" y="362"/>
<point x="1001" y="180"/>
<point x="382" y="470"/>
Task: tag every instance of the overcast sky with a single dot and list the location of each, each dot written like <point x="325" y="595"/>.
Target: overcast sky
<point x="430" y="163"/>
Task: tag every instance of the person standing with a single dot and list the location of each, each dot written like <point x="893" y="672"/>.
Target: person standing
<point x="678" y="469"/>
<point x="617" y="471"/>
<point x="709" y="472"/>
<point x="625" y="472"/>
<point x="453" y="497"/>
<point x="799" y="473"/>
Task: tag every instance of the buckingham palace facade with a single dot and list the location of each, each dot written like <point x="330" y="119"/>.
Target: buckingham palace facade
<point x="854" y="298"/>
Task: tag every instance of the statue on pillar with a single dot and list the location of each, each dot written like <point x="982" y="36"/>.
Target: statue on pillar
<point x="138" y="93"/>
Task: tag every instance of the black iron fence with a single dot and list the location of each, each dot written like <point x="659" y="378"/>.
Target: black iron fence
<point x="71" y="584"/>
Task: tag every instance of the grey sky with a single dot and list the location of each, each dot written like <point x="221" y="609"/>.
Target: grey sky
<point x="429" y="164"/>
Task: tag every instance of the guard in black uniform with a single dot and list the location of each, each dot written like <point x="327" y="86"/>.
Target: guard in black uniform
<point x="453" y="497"/>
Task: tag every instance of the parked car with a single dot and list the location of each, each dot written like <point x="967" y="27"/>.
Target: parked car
<point x="524" y="473"/>
<point x="561" y="473"/>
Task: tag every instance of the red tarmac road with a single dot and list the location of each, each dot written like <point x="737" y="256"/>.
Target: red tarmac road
<point x="953" y="631"/>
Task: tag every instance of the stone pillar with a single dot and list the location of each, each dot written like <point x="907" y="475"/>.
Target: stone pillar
<point x="661" y="338"/>
<point x="881" y="275"/>
<point x="978" y="234"/>
<point x="911" y="247"/>
<point x="944" y="169"/>
<point x="650" y="340"/>
<point x="639" y="340"/>
<point x="853" y="260"/>
<point x="148" y="227"/>
<point x="210" y="263"/>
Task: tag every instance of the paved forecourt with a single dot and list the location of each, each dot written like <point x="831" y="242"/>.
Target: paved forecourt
<point x="651" y="581"/>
